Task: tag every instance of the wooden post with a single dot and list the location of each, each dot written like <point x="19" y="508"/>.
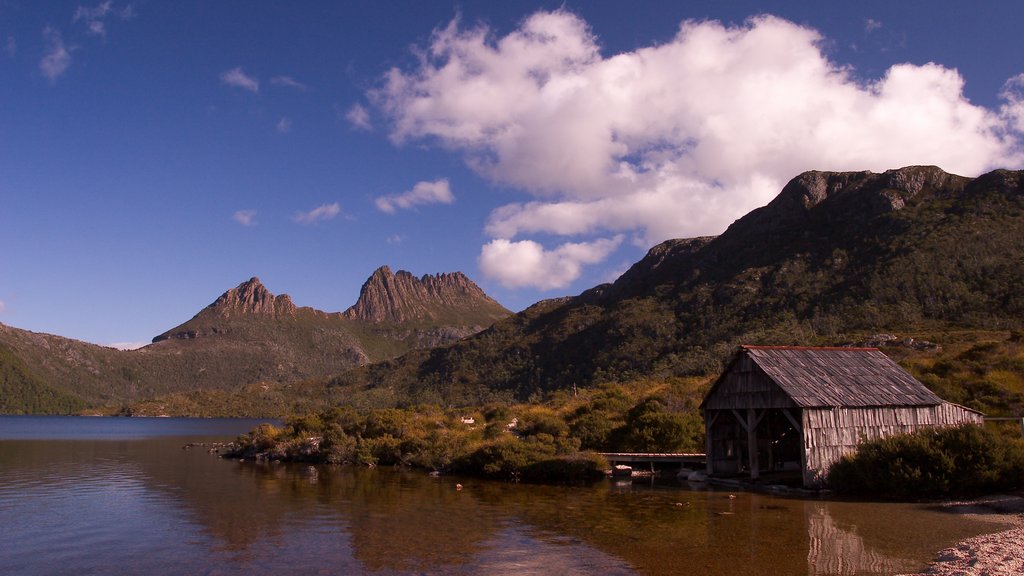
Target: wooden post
<point x="709" y="458"/>
<point x="751" y="427"/>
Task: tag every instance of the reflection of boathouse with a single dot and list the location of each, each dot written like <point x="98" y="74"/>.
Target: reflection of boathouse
<point x="803" y="408"/>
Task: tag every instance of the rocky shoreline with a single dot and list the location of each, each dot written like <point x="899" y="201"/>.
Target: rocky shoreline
<point x="998" y="554"/>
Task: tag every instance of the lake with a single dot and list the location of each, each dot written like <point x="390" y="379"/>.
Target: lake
<point x="88" y="496"/>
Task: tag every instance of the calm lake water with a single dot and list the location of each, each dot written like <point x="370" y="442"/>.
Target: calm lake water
<point x="121" y="496"/>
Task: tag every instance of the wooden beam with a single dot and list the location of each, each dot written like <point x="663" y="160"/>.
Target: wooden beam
<point x="713" y="418"/>
<point x="739" y="418"/>
<point x="792" y="420"/>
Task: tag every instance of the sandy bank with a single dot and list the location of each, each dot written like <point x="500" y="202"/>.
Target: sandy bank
<point x="999" y="554"/>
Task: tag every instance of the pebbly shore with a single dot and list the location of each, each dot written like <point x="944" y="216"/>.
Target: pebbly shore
<point x="998" y="554"/>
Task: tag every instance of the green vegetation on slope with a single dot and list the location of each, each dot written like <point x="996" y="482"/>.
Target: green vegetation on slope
<point x="21" y="392"/>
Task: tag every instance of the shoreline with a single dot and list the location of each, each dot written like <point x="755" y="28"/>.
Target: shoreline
<point x="997" y="554"/>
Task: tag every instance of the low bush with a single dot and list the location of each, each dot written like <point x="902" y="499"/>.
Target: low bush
<point x="577" y="468"/>
<point x="932" y="464"/>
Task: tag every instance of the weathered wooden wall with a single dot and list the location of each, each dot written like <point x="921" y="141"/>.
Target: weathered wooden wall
<point x="831" y="433"/>
<point x="747" y="386"/>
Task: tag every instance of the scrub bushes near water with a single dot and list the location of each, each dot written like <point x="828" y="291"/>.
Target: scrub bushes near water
<point x="529" y="442"/>
<point x="932" y="464"/>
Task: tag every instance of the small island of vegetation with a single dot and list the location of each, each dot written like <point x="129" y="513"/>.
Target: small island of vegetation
<point x="557" y="441"/>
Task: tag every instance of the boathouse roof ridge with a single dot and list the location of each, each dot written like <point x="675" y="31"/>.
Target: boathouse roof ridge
<point x="839" y="377"/>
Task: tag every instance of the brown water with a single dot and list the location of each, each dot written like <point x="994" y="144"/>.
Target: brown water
<point x="105" y="496"/>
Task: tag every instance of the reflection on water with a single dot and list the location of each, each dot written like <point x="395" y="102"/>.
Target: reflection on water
<point x="148" y="506"/>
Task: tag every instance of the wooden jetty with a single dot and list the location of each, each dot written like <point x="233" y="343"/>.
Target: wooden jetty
<point x="694" y="461"/>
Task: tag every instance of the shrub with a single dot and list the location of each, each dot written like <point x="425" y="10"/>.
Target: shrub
<point x="538" y="422"/>
<point x="262" y="438"/>
<point x="505" y="458"/>
<point x="582" y="467"/>
<point x="593" y="430"/>
<point x="337" y="446"/>
<point x="309" y="425"/>
<point x="650" y="427"/>
<point x="932" y="463"/>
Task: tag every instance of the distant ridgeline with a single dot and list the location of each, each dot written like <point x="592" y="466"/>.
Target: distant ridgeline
<point x="835" y="257"/>
<point x="247" y="336"/>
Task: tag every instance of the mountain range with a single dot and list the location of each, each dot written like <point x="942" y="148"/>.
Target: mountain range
<point x="835" y="257"/>
<point x="248" y="335"/>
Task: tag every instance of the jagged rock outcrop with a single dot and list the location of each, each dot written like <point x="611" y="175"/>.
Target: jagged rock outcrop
<point x="846" y="196"/>
<point x="252" y="297"/>
<point x="449" y="298"/>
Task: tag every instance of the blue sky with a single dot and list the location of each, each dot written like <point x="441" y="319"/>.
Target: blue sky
<point x="155" y="154"/>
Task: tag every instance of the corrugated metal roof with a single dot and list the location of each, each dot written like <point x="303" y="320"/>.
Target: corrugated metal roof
<point x="825" y="377"/>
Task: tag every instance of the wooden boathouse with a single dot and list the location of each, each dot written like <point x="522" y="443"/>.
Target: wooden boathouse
<point x="780" y="409"/>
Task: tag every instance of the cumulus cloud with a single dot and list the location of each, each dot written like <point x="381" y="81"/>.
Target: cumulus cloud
<point x="359" y="117"/>
<point x="3" y="307"/>
<point x="676" y="139"/>
<point x="288" y="82"/>
<point x="436" y="192"/>
<point x="870" y="25"/>
<point x="527" y="263"/>
<point x="245" y="217"/>
<point x="320" y="213"/>
<point x="57" y="57"/>
<point x="284" y="125"/>
<point x="239" y="79"/>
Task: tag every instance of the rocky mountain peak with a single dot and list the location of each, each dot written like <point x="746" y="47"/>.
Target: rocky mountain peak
<point x="847" y="198"/>
<point x="879" y="192"/>
<point x="402" y="297"/>
<point x="252" y="297"/>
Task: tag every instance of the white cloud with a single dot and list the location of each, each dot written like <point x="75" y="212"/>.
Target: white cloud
<point x="676" y="139"/>
<point x="239" y="79"/>
<point x="436" y="192"/>
<point x="57" y="57"/>
<point x="395" y="239"/>
<point x="1013" y="97"/>
<point x="288" y="82"/>
<point x="284" y="125"/>
<point x="95" y="17"/>
<point x="325" y="212"/>
<point x="245" y="217"/>
<point x="870" y="25"/>
<point x="526" y="263"/>
<point x="128" y="345"/>
<point x="359" y="117"/>
<point x="3" y="307"/>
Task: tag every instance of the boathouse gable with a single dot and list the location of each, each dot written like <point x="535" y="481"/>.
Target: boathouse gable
<point x="787" y="409"/>
<point x="746" y="385"/>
